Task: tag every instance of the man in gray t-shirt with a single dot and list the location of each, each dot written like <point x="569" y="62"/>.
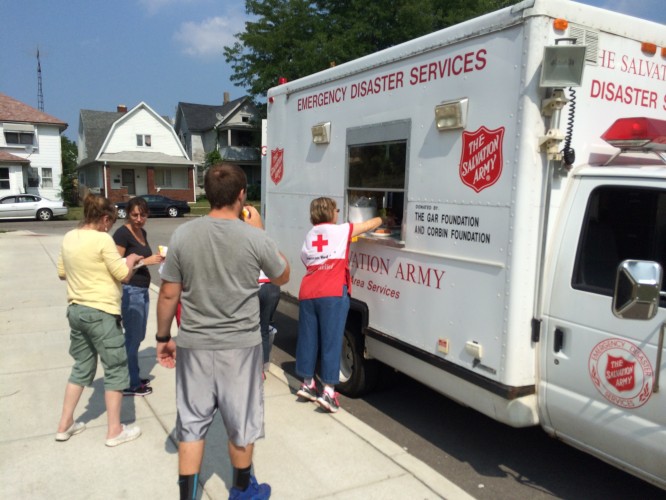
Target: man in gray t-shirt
<point x="211" y="268"/>
<point x="217" y="261"/>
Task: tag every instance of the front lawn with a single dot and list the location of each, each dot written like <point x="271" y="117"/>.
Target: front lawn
<point x="198" y="209"/>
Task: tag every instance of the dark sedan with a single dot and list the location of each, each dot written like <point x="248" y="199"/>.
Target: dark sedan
<point x="158" y="205"/>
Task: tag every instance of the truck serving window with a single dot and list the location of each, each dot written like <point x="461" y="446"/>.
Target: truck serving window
<point x="620" y="223"/>
<point x="376" y="171"/>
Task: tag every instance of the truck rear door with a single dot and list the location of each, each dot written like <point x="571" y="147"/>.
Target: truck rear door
<point x="598" y="371"/>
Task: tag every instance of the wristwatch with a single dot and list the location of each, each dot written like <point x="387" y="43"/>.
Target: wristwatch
<point x="162" y="339"/>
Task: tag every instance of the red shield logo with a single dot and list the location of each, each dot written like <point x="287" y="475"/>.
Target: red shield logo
<point x="277" y="164"/>
<point x="620" y="373"/>
<point x="481" y="158"/>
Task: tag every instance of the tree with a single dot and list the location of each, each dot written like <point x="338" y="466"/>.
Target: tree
<point x="212" y="158"/>
<point x="283" y="42"/>
<point x="295" y="38"/>
<point x="68" y="180"/>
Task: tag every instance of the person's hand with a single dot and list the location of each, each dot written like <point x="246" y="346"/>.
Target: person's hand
<point x="153" y="259"/>
<point x="389" y="220"/>
<point x="252" y="216"/>
<point x="132" y="260"/>
<point x="166" y="354"/>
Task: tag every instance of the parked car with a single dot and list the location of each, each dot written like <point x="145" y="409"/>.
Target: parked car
<point x="30" y="206"/>
<point x="158" y="205"/>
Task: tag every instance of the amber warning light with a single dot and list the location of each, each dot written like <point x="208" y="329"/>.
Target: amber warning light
<point x="560" y="24"/>
<point x="646" y="134"/>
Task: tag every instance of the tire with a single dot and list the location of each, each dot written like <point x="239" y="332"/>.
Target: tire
<point x="44" y="214"/>
<point x="357" y="374"/>
<point x="122" y="213"/>
<point x="172" y="212"/>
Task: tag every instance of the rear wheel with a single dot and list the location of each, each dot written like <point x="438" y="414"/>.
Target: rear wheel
<point x="44" y="214"/>
<point x="122" y="213"/>
<point x="172" y="212"/>
<point x="357" y="374"/>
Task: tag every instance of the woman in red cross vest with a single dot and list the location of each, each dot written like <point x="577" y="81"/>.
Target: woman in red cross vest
<point x="324" y="299"/>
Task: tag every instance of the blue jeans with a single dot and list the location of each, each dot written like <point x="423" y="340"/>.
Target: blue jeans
<point x="135" y="317"/>
<point x="321" y="326"/>
<point x="269" y="296"/>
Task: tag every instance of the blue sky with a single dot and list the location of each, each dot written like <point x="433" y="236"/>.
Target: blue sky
<point x="96" y="54"/>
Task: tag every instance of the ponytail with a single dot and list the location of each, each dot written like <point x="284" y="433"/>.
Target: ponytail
<point x="95" y="207"/>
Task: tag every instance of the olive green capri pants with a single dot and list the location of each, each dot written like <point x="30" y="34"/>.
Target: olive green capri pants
<point x="94" y="332"/>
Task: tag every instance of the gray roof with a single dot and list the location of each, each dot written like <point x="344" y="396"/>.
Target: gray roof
<point x="97" y="125"/>
<point x="147" y="157"/>
<point x="202" y="117"/>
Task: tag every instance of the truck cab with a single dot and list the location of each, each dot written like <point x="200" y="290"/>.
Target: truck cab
<point x="604" y="315"/>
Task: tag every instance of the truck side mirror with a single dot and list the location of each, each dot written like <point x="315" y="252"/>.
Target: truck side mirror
<point x="637" y="289"/>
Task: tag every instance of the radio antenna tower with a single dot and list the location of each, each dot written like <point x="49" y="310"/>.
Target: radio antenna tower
<point x="40" y="93"/>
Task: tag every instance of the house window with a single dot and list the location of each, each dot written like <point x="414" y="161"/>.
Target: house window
<point x="163" y="177"/>
<point x="143" y="140"/>
<point x="4" y="178"/>
<point x="19" y="138"/>
<point x="47" y="177"/>
<point x="172" y="177"/>
<point x="246" y="119"/>
<point x="33" y="177"/>
<point x="243" y="139"/>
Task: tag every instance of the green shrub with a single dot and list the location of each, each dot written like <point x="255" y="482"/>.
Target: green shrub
<point x="254" y="192"/>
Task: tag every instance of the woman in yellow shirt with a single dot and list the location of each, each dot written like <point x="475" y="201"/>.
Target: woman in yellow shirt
<point x="90" y="263"/>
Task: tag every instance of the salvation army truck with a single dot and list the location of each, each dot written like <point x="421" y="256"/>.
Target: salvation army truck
<point x="518" y="160"/>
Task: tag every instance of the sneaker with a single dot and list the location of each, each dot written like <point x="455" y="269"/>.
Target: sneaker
<point x="128" y="434"/>
<point x="254" y="491"/>
<point x="74" y="429"/>
<point x="142" y="390"/>
<point x="328" y="402"/>
<point x="145" y="381"/>
<point x="309" y="393"/>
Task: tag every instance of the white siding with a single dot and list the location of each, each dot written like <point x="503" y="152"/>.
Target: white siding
<point x="143" y="122"/>
<point x="81" y="143"/>
<point x="46" y="154"/>
<point x="15" y="179"/>
<point x="210" y="140"/>
<point x="199" y="148"/>
<point x="245" y="111"/>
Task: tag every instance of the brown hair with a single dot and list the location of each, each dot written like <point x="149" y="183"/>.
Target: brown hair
<point x="322" y="210"/>
<point x="95" y="208"/>
<point x="223" y="183"/>
<point x="139" y="202"/>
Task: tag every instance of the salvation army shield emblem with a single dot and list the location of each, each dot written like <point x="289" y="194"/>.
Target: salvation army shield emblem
<point x="277" y="165"/>
<point x="620" y="373"/>
<point x="481" y="158"/>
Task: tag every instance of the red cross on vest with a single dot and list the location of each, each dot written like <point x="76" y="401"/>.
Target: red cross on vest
<point x="320" y="243"/>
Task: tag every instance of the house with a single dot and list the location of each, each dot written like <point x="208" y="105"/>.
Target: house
<point x="233" y="129"/>
<point x="30" y="150"/>
<point x="128" y="153"/>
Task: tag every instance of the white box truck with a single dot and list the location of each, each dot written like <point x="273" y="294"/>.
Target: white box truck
<point x="519" y="160"/>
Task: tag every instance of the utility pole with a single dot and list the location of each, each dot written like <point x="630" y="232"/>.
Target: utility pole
<point x="40" y="93"/>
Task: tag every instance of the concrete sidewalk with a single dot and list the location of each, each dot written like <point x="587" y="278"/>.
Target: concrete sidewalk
<point x="307" y="454"/>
